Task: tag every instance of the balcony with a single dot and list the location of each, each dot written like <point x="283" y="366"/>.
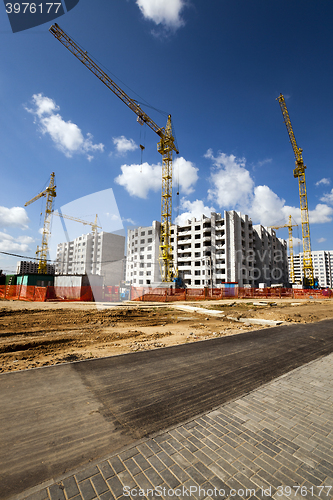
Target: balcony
<point x="184" y="256"/>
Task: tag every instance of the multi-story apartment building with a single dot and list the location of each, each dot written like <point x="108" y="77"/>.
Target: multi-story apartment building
<point x="271" y="257"/>
<point x="28" y="267"/>
<point x="322" y="261"/>
<point x="142" y="264"/>
<point x="211" y="251"/>
<point x="93" y="253"/>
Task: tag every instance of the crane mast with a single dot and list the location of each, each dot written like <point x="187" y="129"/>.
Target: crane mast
<point x="166" y="146"/>
<point x="299" y="172"/>
<point x="50" y="194"/>
<point x="291" y="249"/>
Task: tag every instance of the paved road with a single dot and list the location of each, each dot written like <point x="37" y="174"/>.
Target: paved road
<point x="55" y="419"/>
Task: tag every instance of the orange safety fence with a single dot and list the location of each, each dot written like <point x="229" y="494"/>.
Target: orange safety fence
<point x="175" y="294"/>
<point x="146" y="294"/>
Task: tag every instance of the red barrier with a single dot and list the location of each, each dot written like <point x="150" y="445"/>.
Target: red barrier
<point x="111" y="294"/>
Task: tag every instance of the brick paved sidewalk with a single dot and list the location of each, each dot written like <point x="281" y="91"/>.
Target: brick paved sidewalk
<point x="267" y="444"/>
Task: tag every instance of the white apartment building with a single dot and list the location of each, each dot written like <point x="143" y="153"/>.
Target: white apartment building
<point x="210" y="251"/>
<point x="322" y="261"/>
<point x="142" y="264"/>
<point x="29" y="267"/>
<point x="93" y="253"/>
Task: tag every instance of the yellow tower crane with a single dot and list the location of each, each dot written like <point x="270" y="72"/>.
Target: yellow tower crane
<point x="291" y="249"/>
<point x="166" y="146"/>
<point x="50" y="194"/>
<point x="93" y="225"/>
<point x="299" y="172"/>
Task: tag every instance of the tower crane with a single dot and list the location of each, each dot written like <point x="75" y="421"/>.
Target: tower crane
<point x="291" y="250"/>
<point x="299" y="172"/>
<point x="93" y="225"/>
<point x="50" y="194"/>
<point x="166" y="146"/>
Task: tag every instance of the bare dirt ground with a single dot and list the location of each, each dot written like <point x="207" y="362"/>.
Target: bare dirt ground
<point x="40" y="334"/>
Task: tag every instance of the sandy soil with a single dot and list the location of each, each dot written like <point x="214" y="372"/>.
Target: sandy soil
<point x="39" y="334"/>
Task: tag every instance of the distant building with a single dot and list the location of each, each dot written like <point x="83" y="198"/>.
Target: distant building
<point x="28" y="267"/>
<point x="322" y="261"/>
<point x="94" y="253"/>
<point x="142" y="264"/>
<point x="210" y="251"/>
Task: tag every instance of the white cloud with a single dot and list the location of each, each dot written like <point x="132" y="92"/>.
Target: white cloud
<point x="232" y="183"/>
<point x="67" y="136"/>
<point x="124" y="145"/>
<point x="138" y="180"/>
<point x="266" y="206"/>
<point x="186" y="173"/>
<point x="10" y="244"/>
<point x="13" y="217"/>
<point x="320" y="215"/>
<point x="192" y="209"/>
<point x="164" y="12"/>
<point x="129" y="221"/>
<point x="323" y="181"/>
<point x="234" y="189"/>
<point x="264" y="162"/>
<point x="328" y="197"/>
<point x="296" y="242"/>
<point x="321" y="240"/>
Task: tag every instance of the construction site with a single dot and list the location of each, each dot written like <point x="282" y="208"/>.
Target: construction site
<point x="181" y="348"/>
<point x="222" y="252"/>
<point x="231" y="276"/>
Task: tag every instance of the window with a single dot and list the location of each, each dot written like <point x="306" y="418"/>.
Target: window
<point x="142" y="242"/>
<point x="148" y="273"/>
<point x="148" y="282"/>
<point x="142" y="249"/>
<point x="149" y="256"/>
<point x="197" y="273"/>
<point x="143" y="233"/>
<point x="149" y="249"/>
<point x="197" y="236"/>
<point x="150" y="231"/>
<point x="197" y="282"/>
<point x="197" y="254"/>
<point x="150" y="240"/>
<point x="142" y="264"/>
<point x="197" y="263"/>
<point x="140" y="282"/>
<point x="141" y="273"/>
<point x="197" y="228"/>
<point x="197" y="245"/>
<point x="142" y="257"/>
<point x="135" y="249"/>
<point x="149" y="264"/>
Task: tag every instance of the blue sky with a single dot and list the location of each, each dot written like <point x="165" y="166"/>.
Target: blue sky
<point x="216" y="66"/>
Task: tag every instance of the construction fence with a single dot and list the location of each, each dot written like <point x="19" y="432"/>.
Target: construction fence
<point x="113" y="293"/>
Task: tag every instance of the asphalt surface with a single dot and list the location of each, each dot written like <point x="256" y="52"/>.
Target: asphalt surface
<point x="56" y="419"/>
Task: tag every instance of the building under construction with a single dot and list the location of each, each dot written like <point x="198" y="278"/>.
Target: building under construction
<point x="211" y="251"/>
<point x="93" y="254"/>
